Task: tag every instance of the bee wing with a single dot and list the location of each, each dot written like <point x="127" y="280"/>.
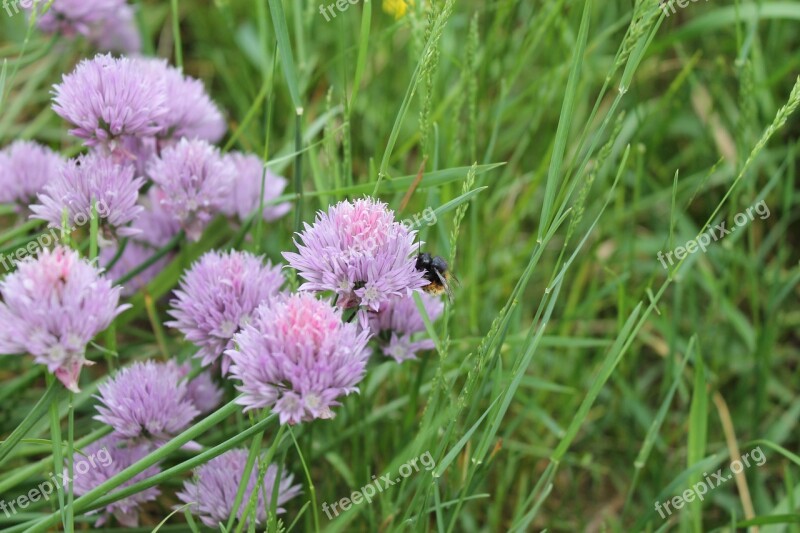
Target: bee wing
<point x="444" y="279"/>
<point x="454" y="280"/>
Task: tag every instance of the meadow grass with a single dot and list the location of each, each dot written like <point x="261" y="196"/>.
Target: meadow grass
<point x="576" y="382"/>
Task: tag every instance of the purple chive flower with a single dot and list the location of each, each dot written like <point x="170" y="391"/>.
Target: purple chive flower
<point x="25" y="168"/>
<point x="137" y="151"/>
<point x="146" y="400"/>
<point x="118" y="32"/>
<point x="213" y="488"/>
<point x="190" y="111"/>
<point x="243" y="200"/>
<point x="202" y="391"/>
<point x="107" y="98"/>
<point x="71" y="17"/>
<point x="298" y="357"/>
<point x="53" y="305"/>
<point x="92" y="178"/>
<point x="157" y="226"/>
<point x="195" y="181"/>
<point x="217" y="296"/>
<point x="396" y="322"/>
<point x="8" y="345"/>
<point x="105" y="459"/>
<point x="360" y="252"/>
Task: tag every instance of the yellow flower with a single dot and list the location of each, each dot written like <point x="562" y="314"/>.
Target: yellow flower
<point x="397" y="8"/>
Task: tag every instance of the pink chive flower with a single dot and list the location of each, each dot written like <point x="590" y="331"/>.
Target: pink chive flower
<point x="243" y="200"/>
<point x="105" y="459"/>
<point x="25" y="168"/>
<point x="396" y="323"/>
<point x="92" y="178"/>
<point x="146" y="400"/>
<point x="190" y="111"/>
<point x="360" y="252"/>
<point x="297" y="357"/>
<point x="212" y="491"/>
<point x="218" y="296"/>
<point x="107" y="98"/>
<point x="195" y="181"/>
<point x="53" y="305"/>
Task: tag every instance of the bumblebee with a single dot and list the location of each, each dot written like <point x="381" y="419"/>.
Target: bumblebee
<point x="437" y="273"/>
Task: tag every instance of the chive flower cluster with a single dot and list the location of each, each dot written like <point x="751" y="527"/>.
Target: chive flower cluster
<point x="360" y="252"/>
<point x="52" y="307"/>
<point x="298" y="358"/>
<point x="84" y="184"/>
<point x="120" y="455"/>
<point x="151" y="132"/>
<point x="150" y="160"/>
<point x="218" y="296"/>
<point x="212" y="490"/>
<point x="396" y="324"/>
<point x="146" y="404"/>
<point x="26" y="167"/>
<point x="108" y="24"/>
